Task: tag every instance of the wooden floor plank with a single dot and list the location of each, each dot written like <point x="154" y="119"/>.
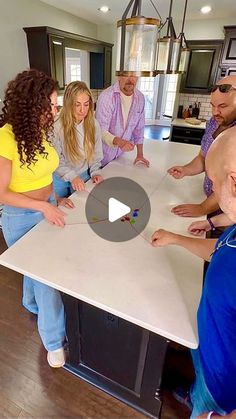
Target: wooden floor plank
<point x="8" y="409"/>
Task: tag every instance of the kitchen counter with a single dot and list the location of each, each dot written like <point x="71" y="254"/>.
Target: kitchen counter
<point x="180" y="122"/>
<point x="123" y="300"/>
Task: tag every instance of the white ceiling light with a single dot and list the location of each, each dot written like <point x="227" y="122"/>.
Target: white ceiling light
<point x="206" y="9"/>
<point x="104" y="9"/>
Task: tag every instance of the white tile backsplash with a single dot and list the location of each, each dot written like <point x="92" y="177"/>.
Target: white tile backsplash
<point x="187" y="99"/>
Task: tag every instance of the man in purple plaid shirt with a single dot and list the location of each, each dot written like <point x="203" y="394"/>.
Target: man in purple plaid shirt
<point x="120" y="113"/>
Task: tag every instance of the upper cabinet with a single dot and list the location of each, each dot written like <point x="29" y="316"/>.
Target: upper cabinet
<point x="66" y="56"/>
<point x="228" y="62"/>
<point x="203" y="66"/>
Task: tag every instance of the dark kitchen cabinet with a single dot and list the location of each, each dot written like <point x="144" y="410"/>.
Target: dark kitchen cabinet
<point x="186" y="135"/>
<point x="229" y="51"/>
<point x="228" y="61"/>
<point x="57" y="59"/>
<point x="203" y="66"/>
<point x="46" y="49"/>
<point x="121" y="358"/>
<point x="107" y="66"/>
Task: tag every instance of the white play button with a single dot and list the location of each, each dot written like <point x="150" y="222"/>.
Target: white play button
<point x="116" y="209"/>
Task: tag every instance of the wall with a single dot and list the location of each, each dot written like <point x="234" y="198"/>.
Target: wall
<point x="206" y="28"/>
<point x="107" y="33"/>
<point x="16" y="14"/>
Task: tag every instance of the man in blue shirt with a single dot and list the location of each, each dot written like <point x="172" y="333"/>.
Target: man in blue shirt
<point x="214" y="391"/>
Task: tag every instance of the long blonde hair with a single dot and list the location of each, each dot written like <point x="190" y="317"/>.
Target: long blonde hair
<point x="68" y="123"/>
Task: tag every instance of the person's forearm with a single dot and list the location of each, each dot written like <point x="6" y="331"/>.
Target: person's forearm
<point x="202" y="248"/>
<point x="139" y="150"/>
<point x="196" y="166"/>
<point x="210" y="204"/>
<point x="108" y="138"/>
<point x="221" y="220"/>
<point x="22" y="201"/>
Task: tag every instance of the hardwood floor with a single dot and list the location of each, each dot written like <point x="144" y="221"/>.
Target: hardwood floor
<point x="156" y="132"/>
<point x="29" y="388"/>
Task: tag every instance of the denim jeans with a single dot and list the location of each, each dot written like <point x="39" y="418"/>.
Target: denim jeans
<point x="201" y="397"/>
<point x="38" y="298"/>
<point x="64" y="189"/>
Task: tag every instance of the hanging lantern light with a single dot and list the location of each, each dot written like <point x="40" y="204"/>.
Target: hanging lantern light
<point x="184" y="52"/>
<point x="168" y="48"/>
<point x="136" y="42"/>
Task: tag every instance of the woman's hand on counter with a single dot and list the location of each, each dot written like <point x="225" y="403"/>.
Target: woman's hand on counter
<point x="65" y="202"/>
<point x="78" y="184"/>
<point x="53" y="215"/>
<point x="97" y="179"/>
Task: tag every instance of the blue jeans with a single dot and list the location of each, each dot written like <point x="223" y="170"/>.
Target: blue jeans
<point x="201" y="397"/>
<point x="38" y="298"/>
<point x="64" y="189"/>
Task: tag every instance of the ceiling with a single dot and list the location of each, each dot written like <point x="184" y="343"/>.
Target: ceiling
<point x="88" y="9"/>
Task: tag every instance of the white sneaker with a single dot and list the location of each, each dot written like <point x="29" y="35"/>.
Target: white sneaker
<point x="57" y="358"/>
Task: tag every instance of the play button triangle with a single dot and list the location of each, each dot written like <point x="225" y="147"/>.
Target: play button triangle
<point x="116" y="209"/>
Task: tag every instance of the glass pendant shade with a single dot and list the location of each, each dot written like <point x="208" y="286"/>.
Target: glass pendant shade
<point x="184" y="59"/>
<point x="167" y="55"/>
<point x="136" y="46"/>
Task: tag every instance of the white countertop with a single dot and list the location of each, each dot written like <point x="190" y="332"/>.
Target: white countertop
<point x="180" y="122"/>
<point x="156" y="288"/>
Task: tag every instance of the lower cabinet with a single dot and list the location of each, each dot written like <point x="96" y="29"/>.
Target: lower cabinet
<point x="115" y="355"/>
<point x="186" y="135"/>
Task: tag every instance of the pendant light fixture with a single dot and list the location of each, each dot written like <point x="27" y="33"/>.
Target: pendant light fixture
<point x="168" y="50"/>
<point x="140" y="49"/>
<point x="184" y="51"/>
<point x="136" y="42"/>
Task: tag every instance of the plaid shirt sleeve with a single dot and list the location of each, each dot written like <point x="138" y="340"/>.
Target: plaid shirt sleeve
<point x="138" y="132"/>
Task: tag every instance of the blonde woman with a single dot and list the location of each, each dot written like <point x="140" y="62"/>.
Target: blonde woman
<point x="77" y="139"/>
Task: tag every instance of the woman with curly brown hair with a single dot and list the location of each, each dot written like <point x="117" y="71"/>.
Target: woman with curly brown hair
<point x="27" y="161"/>
<point x="78" y="141"/>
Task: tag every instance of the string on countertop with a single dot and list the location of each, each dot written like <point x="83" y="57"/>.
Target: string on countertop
<point x="135" y="211"/>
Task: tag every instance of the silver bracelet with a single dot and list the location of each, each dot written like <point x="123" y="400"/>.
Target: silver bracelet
<point x="210" y="414"/>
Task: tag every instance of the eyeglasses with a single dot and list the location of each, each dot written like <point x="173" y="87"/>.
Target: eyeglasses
<point x="223" y="88"/>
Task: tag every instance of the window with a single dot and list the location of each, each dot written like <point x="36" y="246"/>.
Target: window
<point x="77" y="65"/>
<point x="73" y="65"/>
<point x="75" y="72"/>
<point x="148" y="86"/>
<point x="170" y="92"/>
<point x="159" y="93"/>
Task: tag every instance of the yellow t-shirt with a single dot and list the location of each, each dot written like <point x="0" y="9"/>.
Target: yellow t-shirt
<point x="25" y="178"/>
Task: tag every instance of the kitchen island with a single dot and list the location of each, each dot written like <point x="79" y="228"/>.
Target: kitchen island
<point x="124" y="301"/>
